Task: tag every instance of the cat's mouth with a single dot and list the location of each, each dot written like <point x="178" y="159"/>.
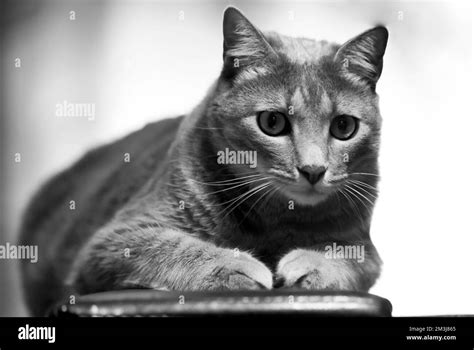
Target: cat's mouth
<point x="306" y="194"/>
<point x="309" y="196"/>
<point x="303" y="192"/>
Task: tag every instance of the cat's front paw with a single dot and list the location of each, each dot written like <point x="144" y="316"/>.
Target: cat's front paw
<point x="309" y="269"/>
<point x="238" y="271"/>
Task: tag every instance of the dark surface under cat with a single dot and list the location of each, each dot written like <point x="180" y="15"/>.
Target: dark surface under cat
<point x="283" y="302"/>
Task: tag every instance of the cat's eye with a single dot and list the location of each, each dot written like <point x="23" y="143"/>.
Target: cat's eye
<point x="343" y="127"/>
<point x="273" y="123"/>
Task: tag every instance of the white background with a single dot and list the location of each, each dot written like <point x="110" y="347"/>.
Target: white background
<point x="139" y="61"/>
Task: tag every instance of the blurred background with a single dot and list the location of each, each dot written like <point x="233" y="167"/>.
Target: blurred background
<point x="139" y="61"/>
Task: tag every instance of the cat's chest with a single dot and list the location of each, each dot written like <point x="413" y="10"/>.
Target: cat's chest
<point x="271" y="244"/>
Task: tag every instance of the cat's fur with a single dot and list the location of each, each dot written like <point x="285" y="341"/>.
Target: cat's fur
<point x="164" y="219"/>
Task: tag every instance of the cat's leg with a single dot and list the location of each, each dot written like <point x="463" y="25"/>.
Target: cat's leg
<point x="151" y="257"/>
<point x="330" y="266"/>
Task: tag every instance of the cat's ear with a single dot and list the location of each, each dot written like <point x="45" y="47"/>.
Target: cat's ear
<point x="244" y="44"/>
<point x="361" y="58"/>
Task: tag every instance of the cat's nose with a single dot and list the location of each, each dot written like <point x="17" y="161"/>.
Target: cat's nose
<point x="312" y="173"/>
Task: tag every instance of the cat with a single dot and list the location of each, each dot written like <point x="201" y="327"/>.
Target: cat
<point x="172" y="216"/>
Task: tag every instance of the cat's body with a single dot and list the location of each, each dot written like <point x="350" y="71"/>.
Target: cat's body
<point x="173" y="217"/>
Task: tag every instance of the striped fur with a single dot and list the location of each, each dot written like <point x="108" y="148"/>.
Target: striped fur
<point x="175" y="218"/>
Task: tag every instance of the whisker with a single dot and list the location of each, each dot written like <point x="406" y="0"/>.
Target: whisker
<point x="240" y="185"/>
<point x="236" y="199"/>
<point x="362" y="183"/>
<point x="362" y="195"/>
<point x="352" y="204"/>
<point x="363" y="189"/>
<point x="251" y="208"/>
<point x="243" y="197"/>
<point x="357" y="195"/>
<point x="227" y="189"/>
<point x="231" y="201"/>
<point x="226" y="182"/>
<point x="276" y="189"/>
<point x="368" y="174"/>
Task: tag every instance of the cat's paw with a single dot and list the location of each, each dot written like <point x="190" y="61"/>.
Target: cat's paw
<point x="239" y="271"/>
<point x="309" y="269"/>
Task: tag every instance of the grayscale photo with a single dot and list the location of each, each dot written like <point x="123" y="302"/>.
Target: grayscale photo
<point x="281" y="159"/>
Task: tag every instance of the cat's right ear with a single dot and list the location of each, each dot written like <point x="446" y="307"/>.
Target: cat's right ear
<point x="244" y="44"/>
<point x="361" y="58"/>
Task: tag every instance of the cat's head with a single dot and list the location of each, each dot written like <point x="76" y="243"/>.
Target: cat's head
<point x="308" y="108"/>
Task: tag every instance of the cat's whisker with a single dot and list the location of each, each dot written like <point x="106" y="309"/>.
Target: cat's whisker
<point x="239" y="185"/>
<point x="356" y="207"/>
<point x="363" y="189"/>
<point x="364" y="184"/>
<point x="352" y="204"/>
<point x="362" y="195"/>
<point x="232" y="185"/>
<point x="276" y="188"/>
<point x="352" y="195"/>
<point x="368" y="174"/>
<point x="338" y="199"/>
<point x="256" y="202"/>
<point x="226" y="182"/>
<point x="228" y="210"/>
<point x="341" y="191"/>
<point x="357" y="196"/>
<point x="349" y="201"/>
<point x="233" y="200"/>
<point x="248" y="195"/>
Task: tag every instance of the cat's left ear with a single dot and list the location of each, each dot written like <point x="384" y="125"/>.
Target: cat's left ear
<point x="361" y="58"/>
<point x="244" y="44"/>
